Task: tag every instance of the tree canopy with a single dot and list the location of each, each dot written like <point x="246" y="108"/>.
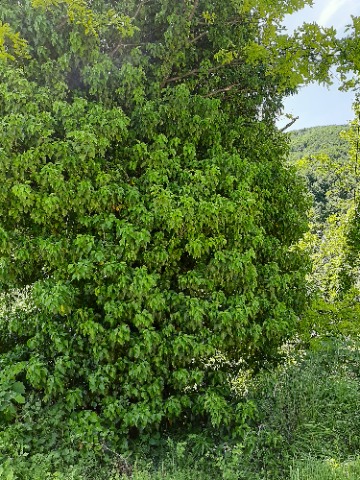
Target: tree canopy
<point x="146" y="208"/>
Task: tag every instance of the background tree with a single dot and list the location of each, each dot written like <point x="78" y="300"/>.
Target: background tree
<point x="321" y="155"/>
<point x="336" y="266"/>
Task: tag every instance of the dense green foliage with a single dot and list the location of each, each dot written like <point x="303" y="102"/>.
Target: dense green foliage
<point x="351" y="274"/>
<point x="145" y="209"/>
<point x="151" y="261"/>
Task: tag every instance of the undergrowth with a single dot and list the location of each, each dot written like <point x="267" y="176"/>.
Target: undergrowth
<point x="306" y="427"/>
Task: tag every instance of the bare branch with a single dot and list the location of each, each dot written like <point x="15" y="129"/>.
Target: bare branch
<point x="195" y="39"/>
<point x="141" y="4"/>
<point x="289" y="124"/>
<point x="118" y="46"/>
<point x="222" y="90"/>
<point x="122" y="462"/>
<point x="63" y="23"/>
<point x="193" y="11"/>
<point x="138" y="10"/>
<point x="125" y="45"/>
<point x="180" y="77"/>
<point x="235" y="21"/>
<point x="189" y="74"/>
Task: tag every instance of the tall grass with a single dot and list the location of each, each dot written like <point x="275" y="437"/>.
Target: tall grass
<point x="307" y="407"/>
<point x="312" y="469"/>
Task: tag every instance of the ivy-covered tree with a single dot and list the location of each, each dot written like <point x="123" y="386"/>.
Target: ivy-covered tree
<point x="145" y="207"/>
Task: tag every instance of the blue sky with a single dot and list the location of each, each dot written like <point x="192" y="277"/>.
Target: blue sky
<point x="317" y="105"/>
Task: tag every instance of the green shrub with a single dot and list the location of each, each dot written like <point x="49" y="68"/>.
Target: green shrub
<point x="150" y="218"/>
<point x="324" y="320"/>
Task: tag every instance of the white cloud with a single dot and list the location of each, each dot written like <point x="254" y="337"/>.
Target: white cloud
<point x="331" y="9"/>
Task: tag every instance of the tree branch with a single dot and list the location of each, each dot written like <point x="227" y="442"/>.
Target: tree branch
<point x="120" y="45"/>
<point x="289" y="124"/>
<point x="189" y="74"/>
<point x="193" y="11"/>
<point x="195" y="39"/>
<point x="63" y="23"/>
<point x="141" y="4"/>
<point x="222" y="90"/>
<point x="180" y="77"/>
<point x="122" y="461"/>
<point x="124" y="45"/>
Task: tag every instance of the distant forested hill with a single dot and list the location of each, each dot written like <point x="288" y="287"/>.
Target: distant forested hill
<point x="311" y="141"/>
<point x="321" y="155"/>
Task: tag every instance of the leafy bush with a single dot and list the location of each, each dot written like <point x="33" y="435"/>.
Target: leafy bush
<point x="324" y="320"/>
<point x="146" y="208"/>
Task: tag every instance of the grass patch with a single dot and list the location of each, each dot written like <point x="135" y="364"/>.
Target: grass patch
<point x="307" y="407"/>
<point x="313" y="469"/>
